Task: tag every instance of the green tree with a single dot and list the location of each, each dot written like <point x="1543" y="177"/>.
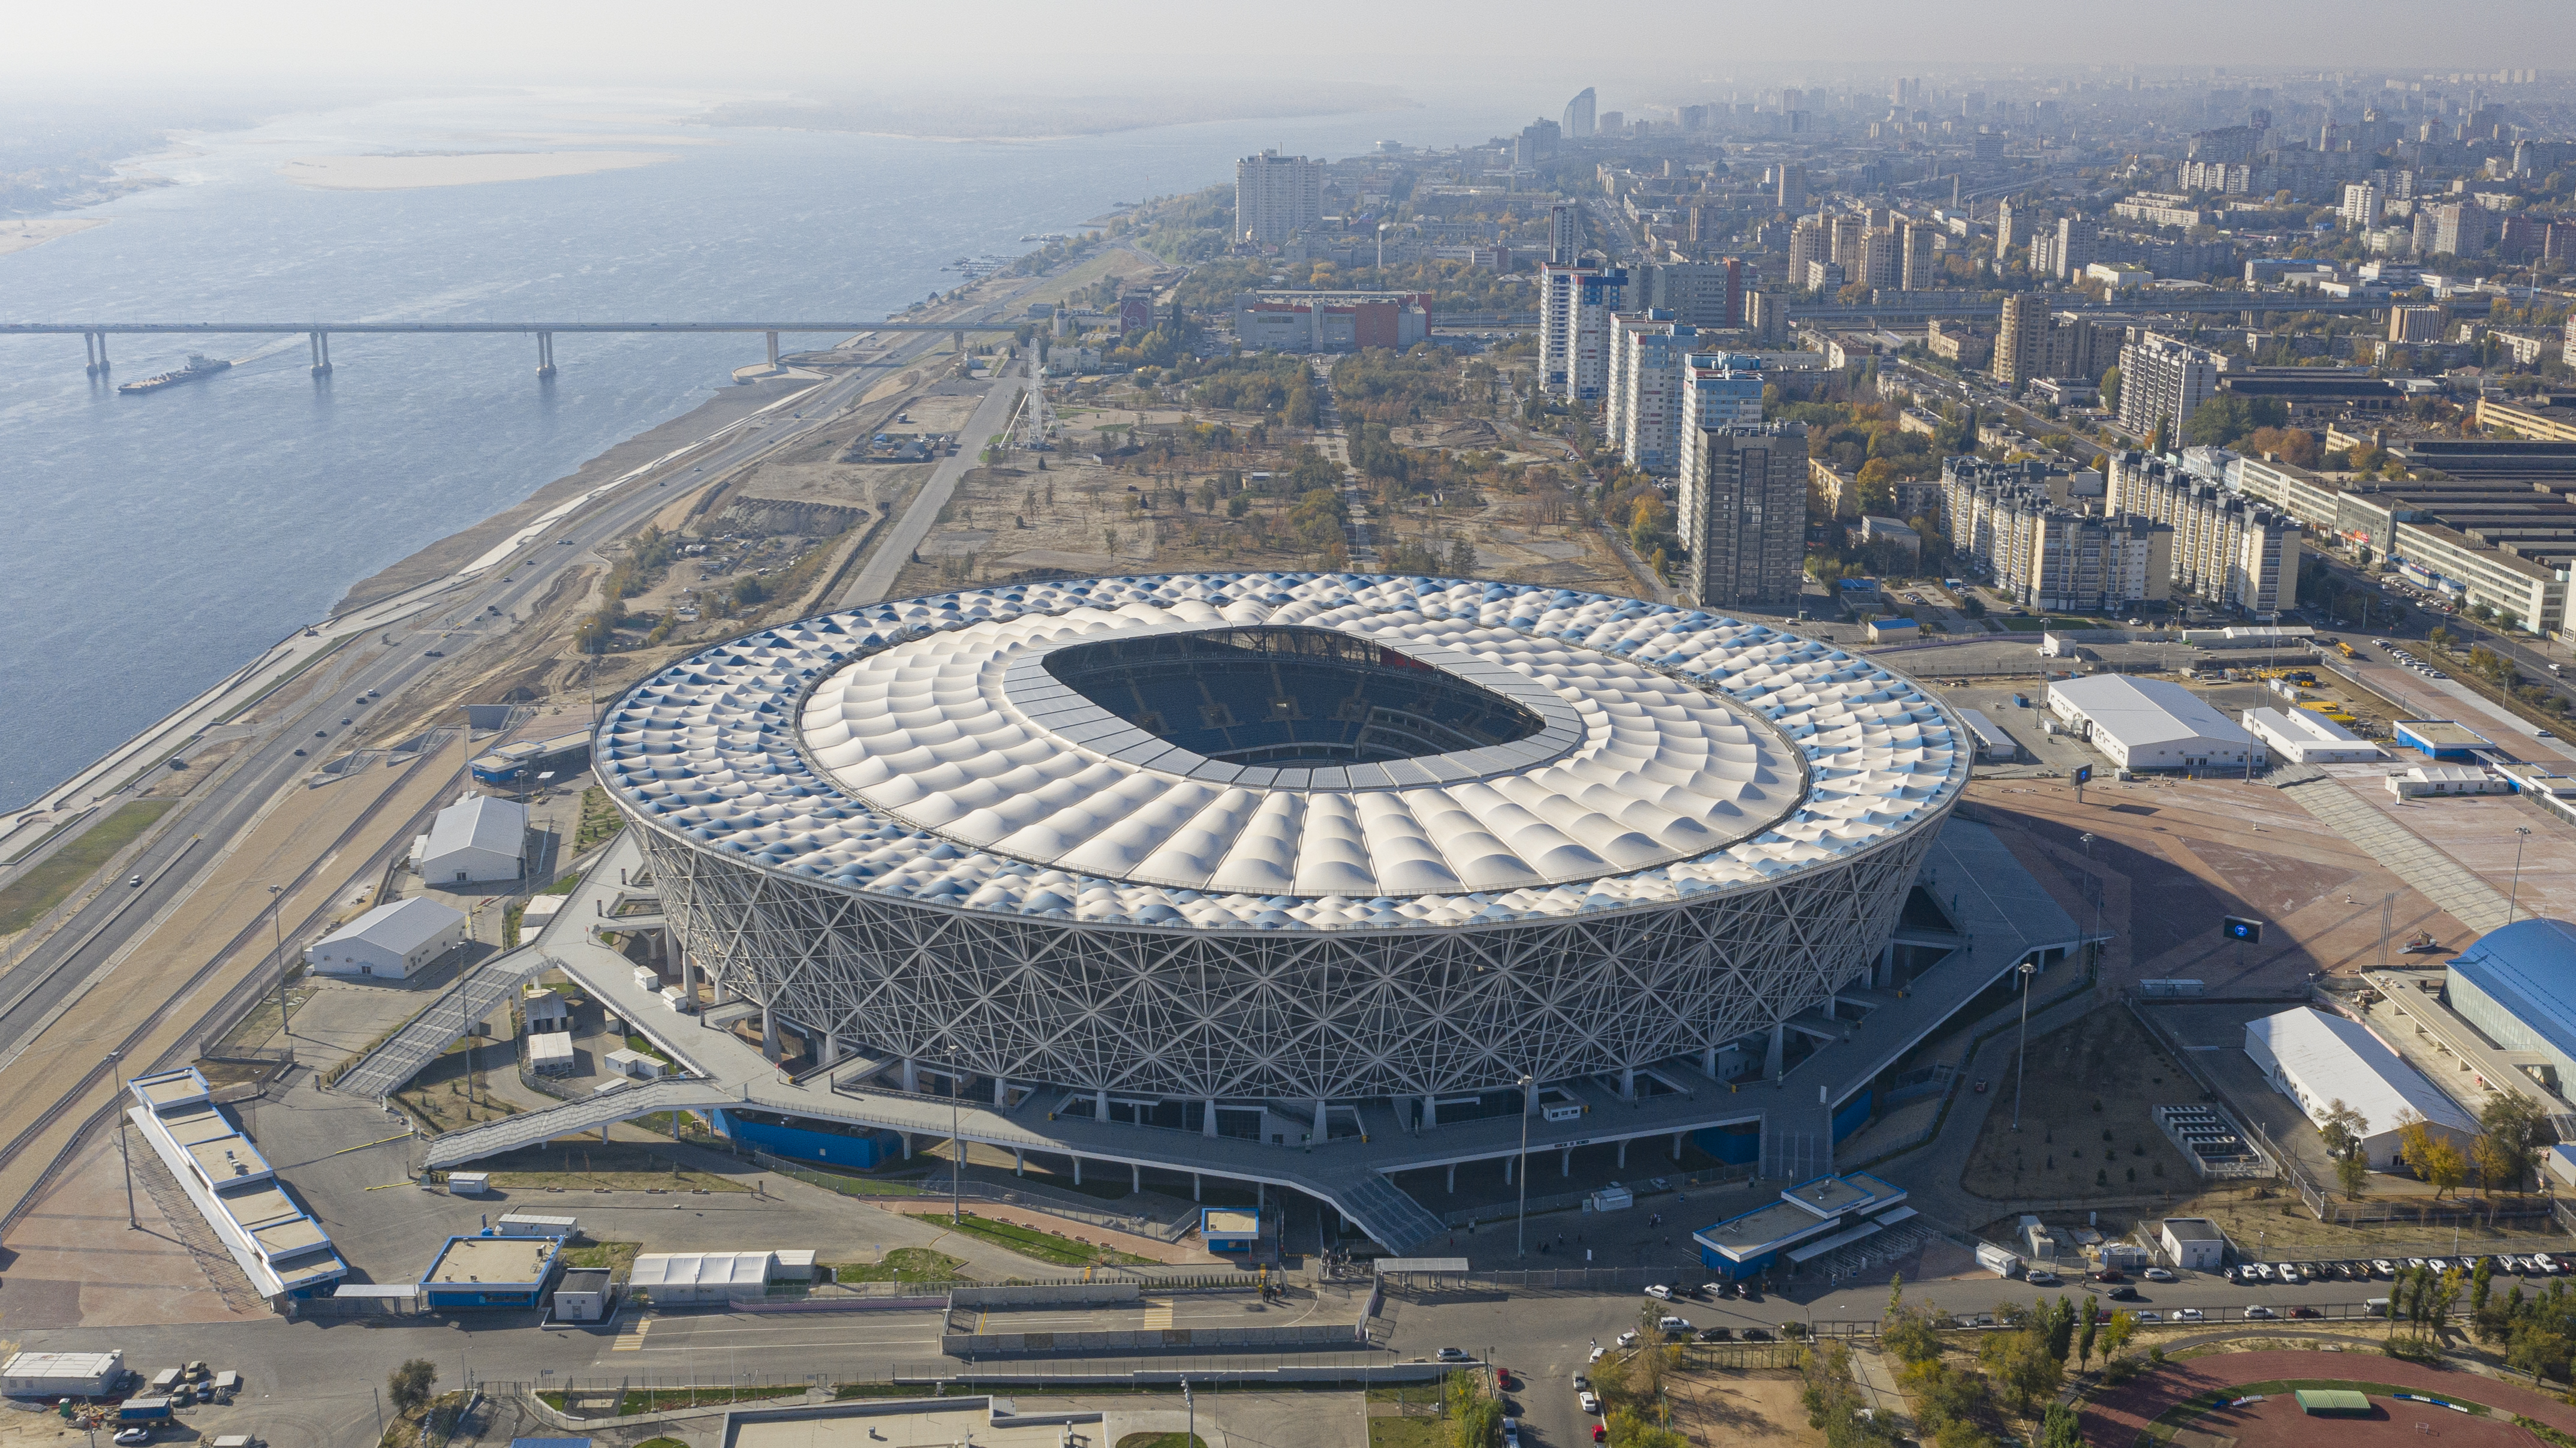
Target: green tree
<point x="410" y="1384"/>
<point x="2441" y="1164"/>
<point x="2092" y="1325"/>
<point x="2509" y="1126"/>
<point x="2060" y="1428"/>
<point x="2347" y="1135"/>
<point x="2111" y="390"/>
<point x="2116" y="1331"/>
<point x="1475" y="1416"/>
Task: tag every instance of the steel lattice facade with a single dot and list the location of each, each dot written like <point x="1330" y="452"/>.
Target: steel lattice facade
<point x="893" y="938"/>
<point x="1202" y="1014"/>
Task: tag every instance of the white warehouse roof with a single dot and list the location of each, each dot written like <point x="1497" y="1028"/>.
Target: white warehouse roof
<point x="479" y="822"/>
<point x="401" y="928"/>
<point x="2303" y="736"/>
<point x="2147" y="712"/>
<point x="699" y="1269"/>
<point x="2333" y="1059"/>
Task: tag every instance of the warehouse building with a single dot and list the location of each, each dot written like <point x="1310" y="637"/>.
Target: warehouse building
<point x="2303" y="736"/>
<point x="62" y="1374"/>
<point x="492" y="1271"/>
<point x="2151" y="724"/>
<point x="2518" y="985"/>
<point x="390" y="941"/>
<point x="1809" y="1220"/>
<point x="473" y="841"/>
<point x="1995" y="744"/>
<point x="2316" y="1060"/>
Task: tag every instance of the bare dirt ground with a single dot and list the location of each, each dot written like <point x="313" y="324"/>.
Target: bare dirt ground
<point x="1756" y="1406"/>
<point x="2087" y="1118"/>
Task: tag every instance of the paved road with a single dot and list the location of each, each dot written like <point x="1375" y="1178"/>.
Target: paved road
<point x="877" y="578"/>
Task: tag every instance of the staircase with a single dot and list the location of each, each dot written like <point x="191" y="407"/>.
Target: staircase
<point x="534" y="1128"/>
<point x="475" y="995"/>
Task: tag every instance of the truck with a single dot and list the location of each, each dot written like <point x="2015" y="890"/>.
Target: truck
<point x="144" y="1410"/>
<point x="168" y="1380"/>
<point x="1999" y="1260"/>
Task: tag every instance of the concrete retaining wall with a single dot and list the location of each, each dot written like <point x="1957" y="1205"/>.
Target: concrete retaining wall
<point x="1075" y="1294"/>
<point x="1174" y="1339"/>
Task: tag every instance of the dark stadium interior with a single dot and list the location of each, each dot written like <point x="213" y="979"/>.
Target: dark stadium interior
<point x="1288" y="696"/>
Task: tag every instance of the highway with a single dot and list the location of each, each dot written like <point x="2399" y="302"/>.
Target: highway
<point x="391" y="659"/>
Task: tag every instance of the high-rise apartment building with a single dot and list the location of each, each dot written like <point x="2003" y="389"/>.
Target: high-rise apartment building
<point x="1844" y="232"/>
<point x="1643" y="397"/>
<point x="1579" y="115"/>
<point x="1807" y="243"/>
<point x="1575" y="304"/>
<point x="2015" y="524"/>
<point x="2462" y="230"/>
<point x="1915" y="248"/>
<point x="2416" y="326"/>
<point x="1881" y="263"/>
<point x="1276" y="196"/>
<point x="1793" y="188"/>
<point x="2361" y="205"/>
<point x="2008" y="224"/>
<point x="1718" y="389"/>
<point x="1697" y="294"/>
<point x="1747" y="486"/>
<point x="2163" y="381"/>
<point x="2078" y="246"/>
<point x="1565" y="232"/>
<point x="2019" y="354"/>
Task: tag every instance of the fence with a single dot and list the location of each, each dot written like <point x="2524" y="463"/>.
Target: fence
<point x="1505" y="1211"/>
<point x="600" y="1400"/>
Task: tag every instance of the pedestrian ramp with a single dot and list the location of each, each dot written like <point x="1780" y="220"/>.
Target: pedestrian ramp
<point x="535" y="1128"/>
<point x="482" y="990"/>
<point x="1385" y="1212"/>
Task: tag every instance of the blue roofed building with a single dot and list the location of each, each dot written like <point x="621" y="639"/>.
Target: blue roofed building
<point x="1809" y="1220"/>
<point x="2518" y="985"/>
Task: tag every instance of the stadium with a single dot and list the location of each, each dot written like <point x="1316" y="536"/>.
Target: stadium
<point x="1210" y="852"/>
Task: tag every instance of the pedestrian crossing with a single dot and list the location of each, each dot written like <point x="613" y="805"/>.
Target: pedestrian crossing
<point x="1158" y="1314"/>
<point x="630" y="1336"/>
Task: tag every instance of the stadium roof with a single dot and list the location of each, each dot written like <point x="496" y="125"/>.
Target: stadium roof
<point x="940" y="762"/>
<point x="2529" y="968"/>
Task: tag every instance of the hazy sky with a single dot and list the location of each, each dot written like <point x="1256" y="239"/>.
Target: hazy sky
<point x="1626" y="47"/>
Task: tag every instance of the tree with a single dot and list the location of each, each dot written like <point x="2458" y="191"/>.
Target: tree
<point x="2111" y="390"/>
<point x="1911" y="1336"/>
<point x="2059" y="1429"/>
<point x="2061" y="1327"/>
<point x="2508" y="1126"/>
<point x="410" y="1384"/>
<point x="2116" y="1331"/>
<point x="2092" y="1326"/>
<point x="2441" y="1164"/>
<point x="1475" y="1415"/>
<point x="2347" y="1137"/>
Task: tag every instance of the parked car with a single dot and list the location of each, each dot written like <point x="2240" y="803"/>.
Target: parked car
<point x="1591" y="1403"/>
<point x="2122" y="1294"/>
<point x="1672" y="1326"/>
<point x="1716" y="1334"/>
<point x="2040" y="1277"/>
<point x="2157" y="1274"/>
<point x="2188" y="1314"/>
<point x="1454" y="1355"/>
<point x="1659" y="1292"/>
<point x="1628" y="1339"/>
<point x="1757" y="1334"/>
<point x="1511" y="1433"/>
<point x="2258" y="1311"/>
<point x="128" y="1437"/>
<point x="2110" y="1274"/>
<point x="2148" y="1314"/>
<point x="2305" y="1312"/>
<point x="2383" y="1266"/>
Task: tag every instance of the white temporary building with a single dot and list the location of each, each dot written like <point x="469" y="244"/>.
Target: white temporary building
<point x="62" y="1374"/>
<point x="550" y="1053"/>
<point x="476" y="839"/>
<point x="2303" y="736"/>
<point x="2317" y="1060"/>
<point x="2151" y="723"/>
<point x="669" y="1278"/>
<point x="1995" y="744"/>
<point x="390" y="941"/>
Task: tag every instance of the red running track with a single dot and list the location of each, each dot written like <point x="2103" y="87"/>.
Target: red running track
<point x="2114" y="1418"/>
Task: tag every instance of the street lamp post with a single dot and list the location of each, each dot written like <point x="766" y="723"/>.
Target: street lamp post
<point x="1520" y="1227"/>
<point x="2094" y="945"/>
<point x="2520" y="834"/>
<point x="956" y="1149"/>
<point x="277" y="934"/>
<point x="2021" y="1053"/>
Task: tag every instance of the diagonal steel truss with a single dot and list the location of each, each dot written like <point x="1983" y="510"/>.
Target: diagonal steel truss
<point x="1207" y="1014"/>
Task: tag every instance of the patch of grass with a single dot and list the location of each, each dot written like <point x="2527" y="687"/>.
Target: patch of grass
<point x="617" y="1257"/>
<point x="879" y="1390"/>
<point x="563" y="886"/>
<point x="902" y="1264"/>
<point x="25" y="900"/>
<point x="599" y="820"/>
<point x="1162" y="1440"/>
<point x="585" y="1165"/>
<point x="712" y="1395"/>
<point x="639" y="1043"/>
<point x="1407" y="1433"/>
<point x="1030" y="1242"/>
<point x="662" y="1443"/>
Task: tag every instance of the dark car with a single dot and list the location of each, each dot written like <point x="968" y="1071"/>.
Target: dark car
<point x="2305" y="1312"/>
<point x="2122" y="1294"/>
<point x="1716" y="1334"/>
<point x="1757" y="1334"/>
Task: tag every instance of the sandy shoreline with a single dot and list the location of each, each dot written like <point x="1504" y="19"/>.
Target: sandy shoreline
<point x="464" y="168"/>
<point x="21" y="235"/>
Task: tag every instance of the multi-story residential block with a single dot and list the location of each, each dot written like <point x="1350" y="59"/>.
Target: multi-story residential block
<point x="2163" y="381"/>
<point x="1565" y="233"/>
<point x="2416" y="326"/>
<point x="1579" y="117"/>
<point x="1276" y="196"/>
<point x="2076" y="240"/>
<point x="1881" y="263"/>
<point x="1284" y="321"/>
<point x="2463" y="229"/>
<point x="1808" y="244"/>
<point x="1914" y="248"/>
<point x="1642" y="396"/>
<point x="2010" y="226"/>
<point x="2228" y="548"/>
<point x="2361" y="205"/>
<point x="1697" y="294"/>
<point x="1575" y="305"/>
<point x="2016" y="524"/>
<point x="1793" y="189"/>
<point x="1747" y="485"/>
<point x="2019" y="353"/>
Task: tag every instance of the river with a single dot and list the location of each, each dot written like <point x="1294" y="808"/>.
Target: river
<point x="154" y="543"/>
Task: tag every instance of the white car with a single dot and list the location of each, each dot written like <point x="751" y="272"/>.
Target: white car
<point x="128" y="1437"/>
<point x="1672" y="1324"/>
<point x="1591" y="1403"/>
<point x="1596" y="1354"/>
<point x="1454" y="1355"/>
<point x="2148" y="1314"/>
<point x="2157" y="1274"/>
<point x="1627" y="1339"/>
<point x="1660" y="1292"/>
<point x="1511" y="1433"/>
<point x="2257" y="1311"/>
<point x="2187" y="1314"/>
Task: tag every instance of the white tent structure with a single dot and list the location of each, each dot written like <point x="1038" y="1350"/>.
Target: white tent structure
<point x="2317" y="1060"/>
<point x="475" y="840"/>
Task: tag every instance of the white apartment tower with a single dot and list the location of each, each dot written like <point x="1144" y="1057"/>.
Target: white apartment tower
<point x="1575" y="304"/>
<point x="2163" y="380"/>
<point x="1565" y="232"/>
<point x="1276" y="196"/>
